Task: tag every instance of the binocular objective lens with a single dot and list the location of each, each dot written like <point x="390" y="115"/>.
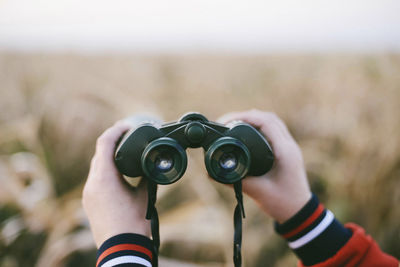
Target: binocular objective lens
<point x="164" y="163"/>
<point x="228" y="161"/>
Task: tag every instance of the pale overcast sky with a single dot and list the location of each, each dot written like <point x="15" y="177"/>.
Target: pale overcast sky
<point x="187" y="25"/>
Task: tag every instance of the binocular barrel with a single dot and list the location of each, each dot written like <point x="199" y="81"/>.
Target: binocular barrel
<point x="227" y="160"/>
<point x="164" y="160"/>
<point x="159" y="152"/>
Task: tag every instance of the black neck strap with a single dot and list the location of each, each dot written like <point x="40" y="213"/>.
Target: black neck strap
<point x="237" y="223"/>
<point x="152" y="215"/>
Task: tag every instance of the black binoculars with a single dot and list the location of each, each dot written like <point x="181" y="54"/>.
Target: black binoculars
<point x="158" y="152"/>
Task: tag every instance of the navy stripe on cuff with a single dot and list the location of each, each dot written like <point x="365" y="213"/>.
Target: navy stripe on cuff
<point x="297" y="219"/>
<point x="325" y="245"/>
<point x="313" y="233"/>
<point x="126" y="238"/>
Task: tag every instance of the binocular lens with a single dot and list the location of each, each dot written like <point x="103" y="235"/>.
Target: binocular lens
<point x="228" y="161"/>
<point x="164" y="160"/>
<point x="164" y="163"/>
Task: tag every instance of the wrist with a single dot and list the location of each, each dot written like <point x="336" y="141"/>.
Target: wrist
<point x="140" y="227"/>
<point x="292" y="207"/>
<point x="284" y="208"/>
<point x="313" y="226"/>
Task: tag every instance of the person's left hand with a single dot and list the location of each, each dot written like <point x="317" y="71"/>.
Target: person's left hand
<point x="112" y="206"/>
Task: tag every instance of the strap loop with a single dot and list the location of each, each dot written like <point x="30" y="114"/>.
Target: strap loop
<point x="151" y="214"/>
<point x="239" y="196"/>
<point x="237" y="223"/>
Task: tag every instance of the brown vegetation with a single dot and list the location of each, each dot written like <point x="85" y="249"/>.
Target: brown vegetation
<point x="344" y="111"/>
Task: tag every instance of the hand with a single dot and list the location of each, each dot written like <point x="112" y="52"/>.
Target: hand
<point x="284" y="190"/>
<point x="112" y="206"/>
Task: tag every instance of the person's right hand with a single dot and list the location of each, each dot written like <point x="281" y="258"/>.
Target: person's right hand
<point x="284" y="190"/>
<point x="112" y="206"/>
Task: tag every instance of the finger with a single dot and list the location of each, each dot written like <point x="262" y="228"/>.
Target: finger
<point x="228" y="117"/>
<point x="254" y="117"/>
<point x="282" y="126"/>
<point x="274" y="119"/>
<point x="264" y="121"/>
<point x="105" y="146"/>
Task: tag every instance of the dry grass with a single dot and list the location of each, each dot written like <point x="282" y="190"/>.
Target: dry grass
<point x="344" y="111"/>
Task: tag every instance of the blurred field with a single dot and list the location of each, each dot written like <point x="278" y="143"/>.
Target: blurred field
<point x="344" y="111"/>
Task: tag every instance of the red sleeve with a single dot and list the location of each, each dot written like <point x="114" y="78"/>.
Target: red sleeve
<point x="360" y="250"/>
<point x="320" y="240"/>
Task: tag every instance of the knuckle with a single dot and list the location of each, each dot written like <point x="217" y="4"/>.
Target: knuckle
<point x="84" y="201"/>
<point x="99" y="141"/>
<point x="102" y="140"/>
<point x="88" y="194"/>
<point x="273" y="117"/>
<point x="121" y="124"/>
<point x="254" y="112"/>
<point x="93" y="163"/>
<point x="85" y="196"/>
<point x="284" y="149"/>
<point x="86" y="191"/>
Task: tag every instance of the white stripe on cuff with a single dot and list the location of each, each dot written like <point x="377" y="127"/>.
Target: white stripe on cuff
<point x="126" y="259"/>
<point x="314" y="232"/>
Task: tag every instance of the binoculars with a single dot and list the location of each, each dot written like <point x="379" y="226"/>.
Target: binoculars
<point x="158" y="152"/>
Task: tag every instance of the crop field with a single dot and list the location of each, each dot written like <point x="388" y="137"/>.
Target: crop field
<point x="343" y="109"/>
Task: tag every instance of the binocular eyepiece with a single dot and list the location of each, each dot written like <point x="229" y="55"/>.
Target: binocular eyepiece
<point x="159" y="152"/>
<point x="227" y="160"/>
<point x="164" y="160"/>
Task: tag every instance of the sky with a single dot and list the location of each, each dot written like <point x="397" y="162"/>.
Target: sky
<point x="207" y="25"/>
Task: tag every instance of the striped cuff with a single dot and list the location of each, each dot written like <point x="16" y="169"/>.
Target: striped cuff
<point x="132" y="249"/>
<point x="313" y="233"/>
